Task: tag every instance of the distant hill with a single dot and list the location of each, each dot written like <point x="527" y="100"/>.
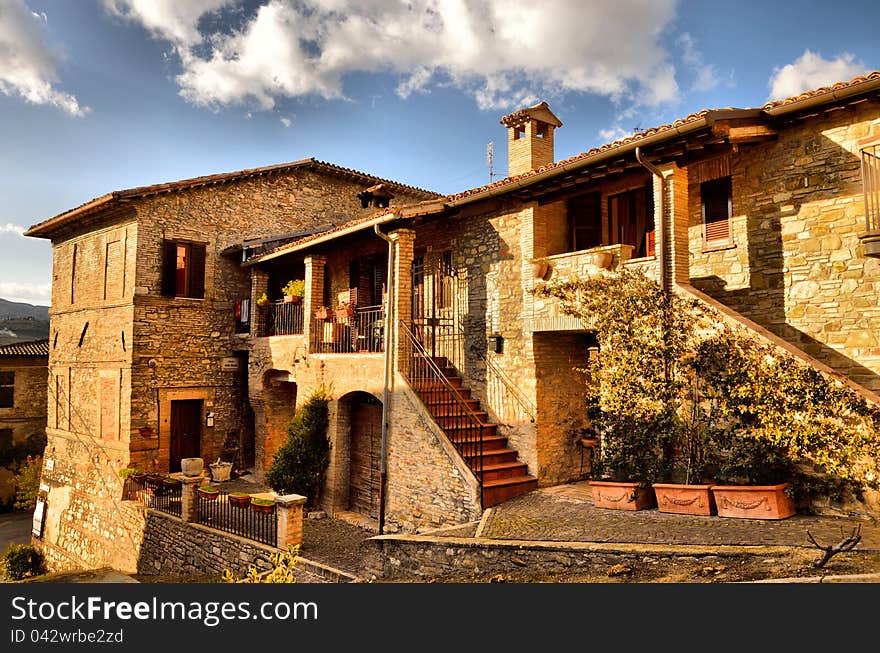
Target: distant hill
<point x="20" y="321"/>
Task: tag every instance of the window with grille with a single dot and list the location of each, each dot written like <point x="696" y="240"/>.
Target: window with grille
<point x="7" y="389"/>
<point x="716" y="199"/>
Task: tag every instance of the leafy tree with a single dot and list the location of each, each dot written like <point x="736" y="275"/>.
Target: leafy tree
<point x="301" y="463"/>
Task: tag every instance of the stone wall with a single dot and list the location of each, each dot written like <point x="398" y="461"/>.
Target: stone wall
<point x="796" y="265"/>
<point x="27" y="416"/>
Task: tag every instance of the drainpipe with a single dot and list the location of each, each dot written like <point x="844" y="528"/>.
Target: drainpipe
<point x="389" y="322"/>
<point x="654" y="170"/>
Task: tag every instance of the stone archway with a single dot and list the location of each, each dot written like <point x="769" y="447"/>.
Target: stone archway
<point x="360" y="416"/>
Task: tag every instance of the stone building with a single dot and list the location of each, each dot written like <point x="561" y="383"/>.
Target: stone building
<point x="145" y="364"/>
<point x="769" y="214"/>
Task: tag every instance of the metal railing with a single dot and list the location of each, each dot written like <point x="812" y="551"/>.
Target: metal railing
<point x="280" y="319"/>
<point x="361" y="332"/>
<point x="451" y="410"/>
<point x="242" y="520"/>
<point x="156" y="493"/>
<point x="871" y="187"/>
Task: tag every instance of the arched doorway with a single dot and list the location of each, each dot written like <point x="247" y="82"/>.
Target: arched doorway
<point x="365" y="440"/>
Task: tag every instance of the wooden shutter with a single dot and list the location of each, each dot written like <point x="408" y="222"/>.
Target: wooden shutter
<point x="197" y="271"/>
<point x="169" y="268"/>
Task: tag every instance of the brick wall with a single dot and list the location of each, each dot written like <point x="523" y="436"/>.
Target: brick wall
<point x="28" y="414"/>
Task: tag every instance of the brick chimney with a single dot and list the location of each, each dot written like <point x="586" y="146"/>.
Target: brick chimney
<point x="529" y="138"/>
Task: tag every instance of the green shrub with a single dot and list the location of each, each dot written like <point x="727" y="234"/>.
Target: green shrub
<point x="27" y="484"/>
<point x="21" y="561"/>
<point x="300" y="464"/>
<point x="283" y="569"/>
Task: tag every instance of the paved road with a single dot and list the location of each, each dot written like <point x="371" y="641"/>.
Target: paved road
<point x="15" y="527"/>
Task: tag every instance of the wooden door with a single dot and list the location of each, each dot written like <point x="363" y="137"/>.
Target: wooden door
<point x="366" y="440"/>
<point x="186" y="431"/>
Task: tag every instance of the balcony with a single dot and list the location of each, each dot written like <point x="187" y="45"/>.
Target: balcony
<point x="280" y="319"/>
<point x="360" y="331"/>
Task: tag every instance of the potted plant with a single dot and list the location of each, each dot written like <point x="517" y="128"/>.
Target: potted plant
<point x="262" y="300"/>
<point x="154" y="479"/>
<point x="171" y="483"/>
<point x="344" y="311"/>
<point x="294" y="290"/>
<point x="239" y="499"/>
<point x="540" y="266"/>
<point x="208" y="492"/>
<point x="263" y="506"/>
<point x="322" y="313"/>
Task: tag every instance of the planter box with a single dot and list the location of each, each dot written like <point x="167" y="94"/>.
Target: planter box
<point x="621" y="496"/>
<point x="684" y="499"/>
<point x="753" y="501"/>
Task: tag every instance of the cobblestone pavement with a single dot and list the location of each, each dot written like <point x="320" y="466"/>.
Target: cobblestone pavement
<point x="565" y="513"/>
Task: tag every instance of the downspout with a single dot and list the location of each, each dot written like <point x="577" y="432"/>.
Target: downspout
<point x="389" y="322"/>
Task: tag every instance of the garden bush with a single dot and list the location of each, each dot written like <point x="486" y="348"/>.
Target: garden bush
<point x="27" y="483"/>
<point x="21" y="561"/>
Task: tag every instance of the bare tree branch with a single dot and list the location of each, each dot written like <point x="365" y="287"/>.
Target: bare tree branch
<point x="847" y="543"/>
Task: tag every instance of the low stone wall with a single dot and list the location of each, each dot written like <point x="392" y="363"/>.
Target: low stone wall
<point x="420" y="556"/>
<point x="173" y="547"/>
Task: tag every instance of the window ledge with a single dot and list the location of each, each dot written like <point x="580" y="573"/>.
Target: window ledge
<point x="641" y="259"/>
<point x="717" y="247"/>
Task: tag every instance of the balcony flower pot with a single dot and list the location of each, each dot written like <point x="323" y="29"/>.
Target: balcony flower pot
<point x="622" y="495"/>
<point x="344" y="312"/>
<point x="138" y="477"/>
<point x="239" y="499"/>
<point x="603" y="260"/>
<point x="263" y="506"/>
<point x="539" y="269"/>
<point x="753" y="501"/>
<point x="293" y="290"/>
<point x="685" y="499"/>
<point x="208" y="492"/>
<point x="322" y="313"/>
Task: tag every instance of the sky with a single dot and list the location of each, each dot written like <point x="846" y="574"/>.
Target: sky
<point x="102" y="95"/>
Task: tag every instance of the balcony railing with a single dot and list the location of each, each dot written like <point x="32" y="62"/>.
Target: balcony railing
<point x="280" y="319"/>
<point x="363" y="331"/>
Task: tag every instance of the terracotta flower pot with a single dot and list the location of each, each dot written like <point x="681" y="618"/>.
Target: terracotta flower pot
<point x="240" y="500"/>
<point x="263" y="508"/>
<point x="684" y="499"/>
<point x="539" y="270"/>
<point x="210" y="495"/>
<point x="620" y="495"/>
<point x="753" y="501"/>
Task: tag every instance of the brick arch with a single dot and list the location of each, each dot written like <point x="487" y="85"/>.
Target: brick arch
<point x="278" y="407"/>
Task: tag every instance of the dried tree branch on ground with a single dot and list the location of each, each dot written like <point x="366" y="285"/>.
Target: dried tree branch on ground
<point x="847" y="543"/>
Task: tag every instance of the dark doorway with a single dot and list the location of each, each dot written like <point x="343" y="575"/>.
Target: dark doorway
<point x="186" y="431"/>
<point x="366" y="440"/>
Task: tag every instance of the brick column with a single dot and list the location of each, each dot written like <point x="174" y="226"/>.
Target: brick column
<point x="315" y="269"/>
<point x="676" y="202"/>
<point x="290" y="519"/>
<point x="259" y="285"/>
<point x="401" y="293"/>
<point x="188" y="505"/>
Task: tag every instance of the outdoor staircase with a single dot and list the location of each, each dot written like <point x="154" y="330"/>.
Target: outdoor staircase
<point x="484" y="450"/>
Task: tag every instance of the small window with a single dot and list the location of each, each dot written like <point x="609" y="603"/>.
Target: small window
<point x="183" y="269"/>
<point x="7" y="389"/>
<point x="716" y="200"/>
<point x="585" y="222"/>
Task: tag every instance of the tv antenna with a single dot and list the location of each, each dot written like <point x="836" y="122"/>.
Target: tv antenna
<point x="490" y="157"/>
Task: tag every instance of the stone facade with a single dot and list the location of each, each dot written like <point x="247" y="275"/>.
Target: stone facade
<point x="26" y="417"/>
<point x="122" y="352"/>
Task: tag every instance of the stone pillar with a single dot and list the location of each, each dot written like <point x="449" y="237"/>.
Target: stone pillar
<point x="315" y="270"/>
<point x="401" y="293"/>
<point x="259" y="285"/>
<point x="189" y="506"/>
<point x="290" y="519"/>
<point x="676" y="204"/>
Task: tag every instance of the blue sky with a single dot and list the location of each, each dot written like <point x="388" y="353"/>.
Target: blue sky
<point x="100" y="95"/>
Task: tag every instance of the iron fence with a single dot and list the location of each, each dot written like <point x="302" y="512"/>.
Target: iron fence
<point x="245" y="520"/>
<point x="156" y="493"/>
<point x="362" y="331"/>
<point x="280" y="319"/>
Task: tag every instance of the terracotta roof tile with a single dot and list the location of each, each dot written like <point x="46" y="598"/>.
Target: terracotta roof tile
<point x="30" y="349"/>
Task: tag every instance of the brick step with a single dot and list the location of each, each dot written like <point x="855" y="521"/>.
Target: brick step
<point x="493" y="457"/>
<point x="490" y="443"/>
<point x="454" y="381"/>
<point x="449" y="407"/>
<point x="494" y="492"/>
<point x="461" y="417"/>
<point x="461" y="431"/>
<point x="510" y="469"/>
<point x="441" y="395"/>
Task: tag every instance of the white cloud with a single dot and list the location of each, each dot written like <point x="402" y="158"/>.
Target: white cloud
<point x="811" y="71"/>
<point x="10" y="228"/>
<point x="705" y="75"/>
<point x="285" y="121"/>
<point x="32" y="293"/>
<point x="614" y="133"/>
<point x="27" y="67"/>
<point x="504" y="53"/>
